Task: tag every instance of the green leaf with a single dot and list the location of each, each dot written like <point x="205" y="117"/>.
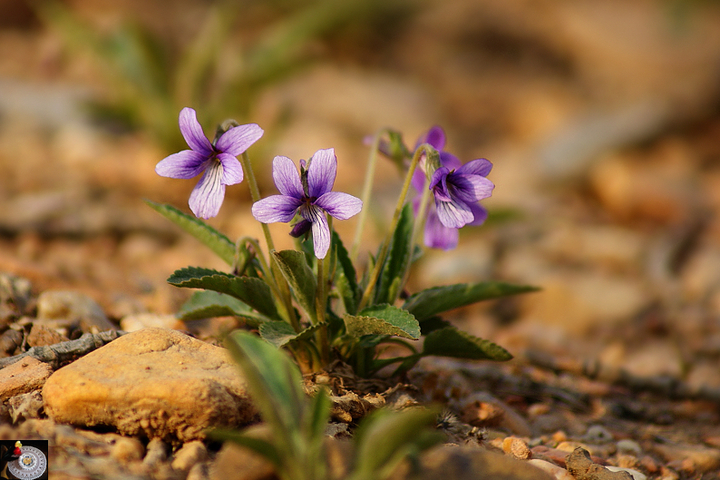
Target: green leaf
<point x="319" y="415"/>
<point x="433" y="323"/>
<point x="208" y="304"/>
<point x="397" y="261"/>
<point x="436" y="300"/>
<point x="296" y="422"/>
<point x="216" y="241"/>
<point x="385" y="438"/>
<point x="282" y="333"/>
<point x="301" y="278"/>
<point x="253" y="291"/>
<point x="275" y="385"/>
<point x="382" y="320"/>
<point x="451" y="342"/>
<point x="345" y="277"/>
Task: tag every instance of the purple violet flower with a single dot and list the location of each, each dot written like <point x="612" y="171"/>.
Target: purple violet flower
<point x="216" y="161"/>
<point x="309" y="195"/>
<point x="456" y="189"/>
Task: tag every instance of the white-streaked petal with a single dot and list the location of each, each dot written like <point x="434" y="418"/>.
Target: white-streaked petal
<point x="320" y="232"/>
<point x="238" y="139"/>
<point x="192" y="132"/>
<point x="185" y="164"/>
<point x="232" y="169"/>
<point x="275" y="208"/>
<point x="286" y="177"/>
<point x="340" y="205"/>
<point x="322" y="172"/>
<point x="469" y="188"/>
<point x="453" y="214"/>
<point x="207" y="196"/>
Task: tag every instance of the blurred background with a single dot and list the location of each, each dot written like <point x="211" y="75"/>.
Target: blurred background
<point x="602" y="120"/>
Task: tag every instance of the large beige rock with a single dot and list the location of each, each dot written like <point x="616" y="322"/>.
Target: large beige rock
<point x="155" y="382"/>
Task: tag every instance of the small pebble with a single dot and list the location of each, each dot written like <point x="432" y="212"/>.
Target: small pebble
<point x="627" y="461"/>
<point x="156" y="452"/>
<point x="635" y="474"/>
<point x="649" y="464"/>
<point x="516" y="447"/>
<point x="41" y="335"/>
<point x="629" y="447"/>
<point x="537" y="409"/>
<point x="570" y="447"/>
<point x="127" y="449"/>
<point x="668" y="474"/>
<point x="26" y="406"/>
<point x="598" y="434"/>
<point x="59" y="308"/>
<point x="601" y="451"/>
<point x="557" y="472"/>
<point x="199" y="471"/>
<point x="550" y="454"/>
<point x="190" y="454"/>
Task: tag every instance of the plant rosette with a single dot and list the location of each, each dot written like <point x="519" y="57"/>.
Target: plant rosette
<point x="313" y="301"/>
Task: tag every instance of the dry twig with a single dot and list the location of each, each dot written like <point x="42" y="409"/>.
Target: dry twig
<point x="65" y="352"/>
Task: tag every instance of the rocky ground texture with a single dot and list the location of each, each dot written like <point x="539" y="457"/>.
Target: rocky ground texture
<point x="601" y="120"/>
<point x="138" y="404"/>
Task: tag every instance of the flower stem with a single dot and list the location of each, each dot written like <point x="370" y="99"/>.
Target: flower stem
<point x="367" y="190"/>
<point x="321" y="304"/>
<point x="255" y="195"/>
<point x="420" y="220"/>
<point x="393" y="225"/>
<point x="276" y="278"/>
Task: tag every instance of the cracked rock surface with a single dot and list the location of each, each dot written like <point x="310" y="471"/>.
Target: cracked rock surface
<point x="157" y="383"/>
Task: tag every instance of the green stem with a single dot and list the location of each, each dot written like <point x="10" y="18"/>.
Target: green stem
<point x="255" y="195"/>
<point x="418" y="227"/>
<point x="393" y="225"/>
<point x="321" y="303"/>
<point x="254" y="243"/>
<point x="276" y="278"/>
<point x="367" y="190"/>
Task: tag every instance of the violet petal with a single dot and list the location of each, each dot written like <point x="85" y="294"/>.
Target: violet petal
<point x="207" y="196"/>
<point x="470" y="188"/>
<point x="435" y="137"/>
<point x="286" y="177"/>
<point x="479" y="166"/>
<point x="192" y="132"/>
<point x="232" y="170"/>
<point x="480" y="214"/>
<point x="238" y="139"/>
<point x="438" y="176"/>
<point x="453" y="214"/>
<point x="339" y="205"/>
<point x="438" y="235"/>
<point x="449" y="160"/>
<point x="322" y="172"/>
<point x="275" y="208"/>
<point x="185" y="164"/>
<point x="320" y="229"/>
